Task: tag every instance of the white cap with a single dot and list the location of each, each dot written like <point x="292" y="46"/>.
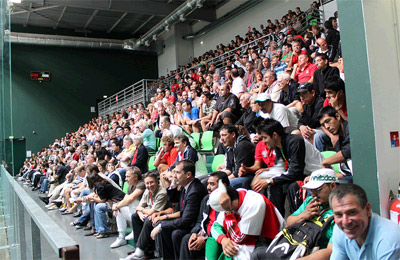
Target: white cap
<point x="262" y="97"/>
<point x="320" y="177"/>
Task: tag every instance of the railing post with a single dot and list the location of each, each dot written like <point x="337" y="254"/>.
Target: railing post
<point x="36" y="247"/>
<point x="21" y="229"/>
<point x="70" y="253"/>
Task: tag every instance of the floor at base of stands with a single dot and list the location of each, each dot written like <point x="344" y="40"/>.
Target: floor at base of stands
<point x="89" y="247"/>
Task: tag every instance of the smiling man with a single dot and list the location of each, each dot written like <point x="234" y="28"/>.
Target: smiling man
<point x="359" y="233"/>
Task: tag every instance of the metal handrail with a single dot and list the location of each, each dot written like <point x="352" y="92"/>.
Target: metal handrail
<point x="138" y="92"/>
<point x="41" y="223"/>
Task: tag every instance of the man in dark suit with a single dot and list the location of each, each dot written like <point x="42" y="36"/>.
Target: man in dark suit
<point x="193" y="244"/>
<point x="189" y="197"/>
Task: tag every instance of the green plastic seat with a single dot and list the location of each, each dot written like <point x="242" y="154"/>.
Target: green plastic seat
<point x="209" y="161"/>
<point x="196" y="138"/>
<point x="158" y="143"/>
<point x="327" y="154"/>
<point x="218" y="160"/>
<point x="207" y="142"/>
<point x="125" y="187"/>
<point x="150" y="164"/>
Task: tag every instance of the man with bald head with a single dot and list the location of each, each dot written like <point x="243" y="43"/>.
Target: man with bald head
<point x="324" y="48"/>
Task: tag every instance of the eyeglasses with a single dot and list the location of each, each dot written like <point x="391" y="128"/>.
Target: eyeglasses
<point x="319" y="189"/>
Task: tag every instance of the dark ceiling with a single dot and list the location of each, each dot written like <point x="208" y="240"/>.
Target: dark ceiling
<point x="116" y="19"/>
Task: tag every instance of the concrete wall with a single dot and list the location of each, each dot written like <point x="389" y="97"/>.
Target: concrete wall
<point x="167" y="60"/>
<point x="384" y="70"/>
<point x="79" y="77"/>
<point x="259" y="14"/>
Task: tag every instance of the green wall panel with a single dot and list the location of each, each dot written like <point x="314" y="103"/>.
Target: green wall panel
<point x="358" y="87"/>
<point x="78" y="78"/>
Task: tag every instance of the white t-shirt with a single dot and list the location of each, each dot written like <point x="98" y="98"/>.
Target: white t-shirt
<point x="238" y="86"/>
<point x="286" y="117"/>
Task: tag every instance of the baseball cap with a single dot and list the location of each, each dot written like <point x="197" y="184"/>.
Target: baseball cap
<point x="305" y="87"/>
<point x="262" y="97"/>
<point x="320" y="177"/>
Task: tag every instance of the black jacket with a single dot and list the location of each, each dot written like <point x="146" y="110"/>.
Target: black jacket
<point x="190" y="205"/>
<point x="247" y="120"/>
<point x="310" y="115"/>
<point x="203" y="218"/>
<point x="320" y="77"/>
<point x="141" y="159"/>
<point x="243" y="152"/>
<point x="343" y="145"/>
<point x="288" y="97"/>
<point x="294" y="151"/>
<point x="189" y="154"/>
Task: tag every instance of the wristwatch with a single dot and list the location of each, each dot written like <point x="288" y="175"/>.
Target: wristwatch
<point x="269" y="181"/>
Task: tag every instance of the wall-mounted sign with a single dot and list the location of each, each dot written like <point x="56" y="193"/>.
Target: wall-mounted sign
<point x="40" y="75"/>
<point x="394" y="139"/>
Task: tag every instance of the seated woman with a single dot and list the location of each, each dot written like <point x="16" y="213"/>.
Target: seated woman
<point x="141" y="156"/>
<point x="166" y="155"/>
<point x="185" y="152"/>
<point x="125" y="208"/>
<point x="105" y="191"/>
<point x="149" y="139"/>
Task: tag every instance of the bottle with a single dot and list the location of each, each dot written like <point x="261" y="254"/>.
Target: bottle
<point x="395" y="209"/>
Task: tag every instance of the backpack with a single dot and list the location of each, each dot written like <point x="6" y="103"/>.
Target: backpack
<point x="298" y="240"/>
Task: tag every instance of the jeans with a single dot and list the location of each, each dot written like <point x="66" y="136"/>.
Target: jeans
<point x="238" y="181"/>
<point x="45" y="183"/>
<point x="100" y="218"/>
<point x="320" y="140"/>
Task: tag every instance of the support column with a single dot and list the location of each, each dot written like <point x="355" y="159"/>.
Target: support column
<point x="370" y="45"/>
<point x="184" y="48"/>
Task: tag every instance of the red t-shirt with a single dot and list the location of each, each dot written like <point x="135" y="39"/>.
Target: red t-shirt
<point x="174" y="87"/>
<point x="264" y="154"/>
<point x="344" y="107"/>
<point x="295" y="57"/>
<point x="76" y="157"/>
<point x="170" y="157"/>
<point x="306" y="73"/>
<point x="172" y="99"/>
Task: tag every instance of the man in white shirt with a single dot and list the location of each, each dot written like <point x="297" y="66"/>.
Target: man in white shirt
<point x="276" y="111"/>
<point x="238" y="85"/>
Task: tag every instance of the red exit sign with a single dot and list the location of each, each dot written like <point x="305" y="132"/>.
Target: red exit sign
<point x="40" y="75"/>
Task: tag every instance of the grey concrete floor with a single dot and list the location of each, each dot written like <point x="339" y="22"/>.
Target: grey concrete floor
<point x="89" y="247"/>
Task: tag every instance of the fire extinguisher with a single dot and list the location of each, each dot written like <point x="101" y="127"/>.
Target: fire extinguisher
<point x="395" y="209"/>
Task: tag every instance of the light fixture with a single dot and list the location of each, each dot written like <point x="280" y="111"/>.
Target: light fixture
<point x="167" y="28"/>
<point x="199" y="4"/>
<point x="105" y="96"/>
<point x="15" y="1"/>
<point x="154" y="37"/>
<point x="146" y="43"/>
<point x="182" y="18"/>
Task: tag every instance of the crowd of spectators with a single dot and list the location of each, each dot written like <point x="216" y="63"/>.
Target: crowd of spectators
<point x="275" y="107"/>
